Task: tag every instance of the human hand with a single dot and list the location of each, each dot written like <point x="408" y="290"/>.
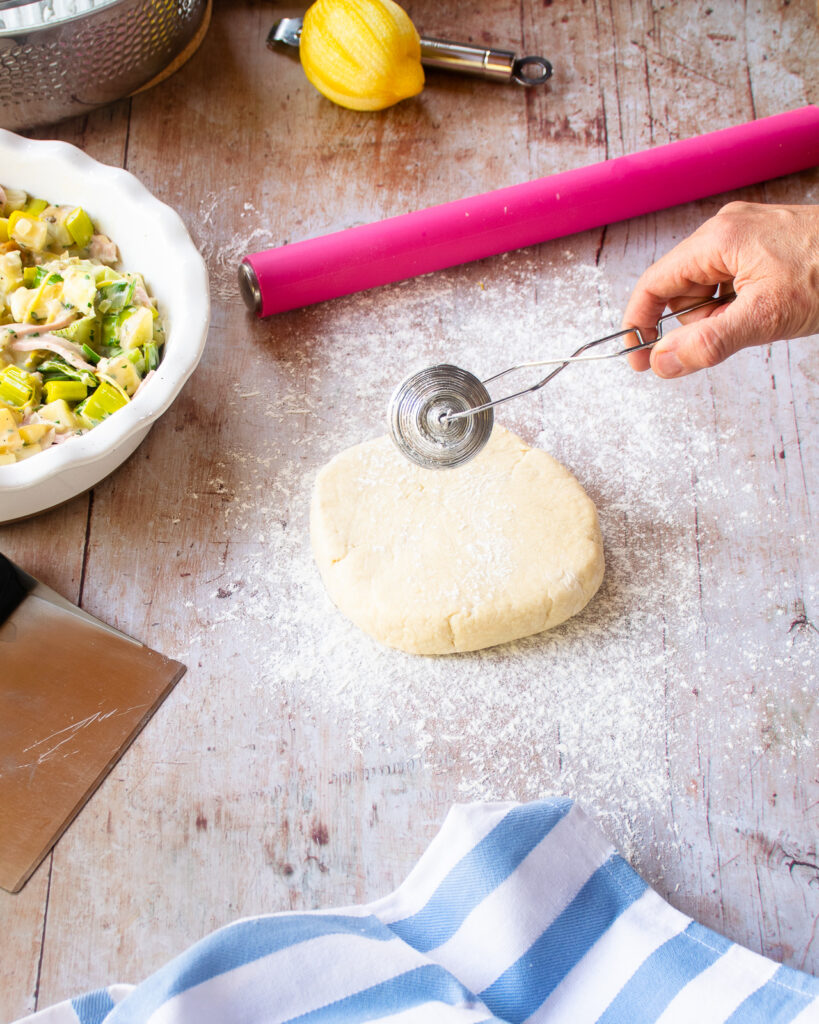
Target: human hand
<point x="768" y="255"/>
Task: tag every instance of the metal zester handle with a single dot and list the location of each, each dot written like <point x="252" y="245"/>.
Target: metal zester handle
<point x="465" y="58"/>
<point x="496" y="65"/>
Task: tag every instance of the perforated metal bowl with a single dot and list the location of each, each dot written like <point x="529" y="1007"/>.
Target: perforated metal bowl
<point x="65" y="67"/>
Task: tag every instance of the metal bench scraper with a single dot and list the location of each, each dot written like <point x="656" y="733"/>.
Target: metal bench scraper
<point x="74" y="693"/>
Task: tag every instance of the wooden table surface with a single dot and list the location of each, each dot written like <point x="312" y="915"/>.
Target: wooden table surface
<point x="299" y="765"/>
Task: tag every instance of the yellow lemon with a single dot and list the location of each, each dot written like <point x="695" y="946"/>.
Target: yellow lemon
<point x="361" y="54"/>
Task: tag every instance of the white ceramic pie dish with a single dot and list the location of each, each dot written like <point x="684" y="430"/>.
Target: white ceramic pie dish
<point x="153" y="241"/>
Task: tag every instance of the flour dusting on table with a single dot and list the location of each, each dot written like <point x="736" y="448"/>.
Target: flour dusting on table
<point x="591" y="708"/>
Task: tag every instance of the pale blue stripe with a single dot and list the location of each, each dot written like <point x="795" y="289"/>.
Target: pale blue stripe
<point x="480" y="872"/>
<point x="93" y="1007"/>
<point x="521" y="989"/>
<point x="427" y="984"/>
<point x="235" y="946"/>
<point x="665" y="973"/>
<point x="779" y="1000"/>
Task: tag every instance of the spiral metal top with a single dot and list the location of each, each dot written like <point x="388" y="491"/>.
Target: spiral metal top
<point x="418" y="411"/>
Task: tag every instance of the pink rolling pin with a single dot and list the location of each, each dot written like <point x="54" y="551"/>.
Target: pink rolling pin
<point x="509" y="218"/>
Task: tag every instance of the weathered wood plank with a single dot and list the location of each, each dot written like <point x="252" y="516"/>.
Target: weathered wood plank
<point x="735" y="819"/>
<point x="297" y="764"/>
<point x="52" y="548"/>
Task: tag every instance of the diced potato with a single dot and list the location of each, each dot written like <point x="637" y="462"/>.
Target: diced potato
<point x="79" y="289"/>
<point x="16" y="199"/>
<point x="6" y="458"/>
<point x="16" y="414"/>
<point x="59" y="237"/>
<point x="27" y="451"/>
<point x="43" y="302"/>
<point x="19" y="301"/>
<point x="11" y="271"/>
<point x="59" y="413"/>
<point x="10" y="439"/>
<point x="29" y="232"/>
<point x="123" y="371"/>
<point x="34" y="432"/>
<point x="137" y="329"/>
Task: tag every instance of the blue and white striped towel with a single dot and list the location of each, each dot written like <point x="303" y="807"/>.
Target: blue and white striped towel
<point x="516" y="912"/>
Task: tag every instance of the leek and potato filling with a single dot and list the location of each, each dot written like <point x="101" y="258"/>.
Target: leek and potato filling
<point x="78" y="338"/>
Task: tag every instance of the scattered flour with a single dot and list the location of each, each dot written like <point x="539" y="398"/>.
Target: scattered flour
<point x="607" y="707"/>
<point x="224" y="254"/>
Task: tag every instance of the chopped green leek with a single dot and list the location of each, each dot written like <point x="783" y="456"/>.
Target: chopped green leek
<point x="56" y="368"/>
<point x="41" y="274"/>
<point x="80" y="227"/>
<point x="137" y="360"/>
<point x="34" y="207"/>
<point x="82" y="331"/>
<point x="101" y="403"/>
<point x="90" y="354"/>
<point x="17" y="388"/>
<point x="70" y="390"/>
<point x="107" y="274"/>
<point x="115" y="295"/>
<point x="151" y="356"/>
<point x="110" y="329"/>
<point x="33" y="277"/>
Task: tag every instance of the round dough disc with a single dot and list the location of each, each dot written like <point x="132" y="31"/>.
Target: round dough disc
<point x="436" y="561"/>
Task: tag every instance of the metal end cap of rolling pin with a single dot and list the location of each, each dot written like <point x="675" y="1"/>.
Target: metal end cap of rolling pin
<point x="249" y="287"/>
<point x="418" y="410"/>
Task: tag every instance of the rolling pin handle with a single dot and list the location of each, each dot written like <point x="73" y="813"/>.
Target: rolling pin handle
<point x="249" y="287"/>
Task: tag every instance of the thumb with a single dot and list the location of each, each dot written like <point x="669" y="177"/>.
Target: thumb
<point x="711" y="339"/>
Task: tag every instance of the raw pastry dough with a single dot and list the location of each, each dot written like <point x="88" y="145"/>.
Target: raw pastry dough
<point x="436" y="561"/>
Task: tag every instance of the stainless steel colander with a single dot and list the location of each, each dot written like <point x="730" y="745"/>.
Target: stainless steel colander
<point x="68" y="66"/>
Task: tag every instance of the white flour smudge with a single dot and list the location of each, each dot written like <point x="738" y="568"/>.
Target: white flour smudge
<point x="587" y="709"/>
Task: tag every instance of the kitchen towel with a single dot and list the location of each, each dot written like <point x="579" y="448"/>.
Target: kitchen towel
<point x="516" y="912"/>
